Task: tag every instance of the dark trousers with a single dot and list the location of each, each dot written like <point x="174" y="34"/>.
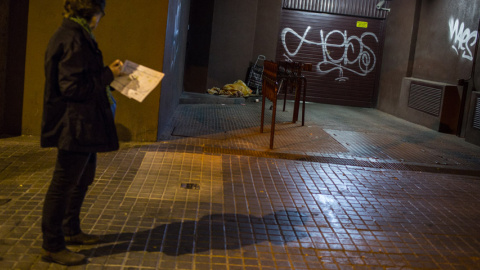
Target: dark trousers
<point x="74" y="172"/>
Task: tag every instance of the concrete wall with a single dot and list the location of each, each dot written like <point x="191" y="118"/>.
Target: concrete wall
<point x="174" y="60"/>
<point x="221" y="48"/>
<point x="241" y="30"/>
<point x="233" y="35"/>
<point x="267" y="28"/>
<point x="13" y="25"/>
<point x="3" y="60"/>
<point x="419" y="44"/>
<point x="435" y="59"/>
<point x="133" y="30"/>
<point x="398" y="53"/>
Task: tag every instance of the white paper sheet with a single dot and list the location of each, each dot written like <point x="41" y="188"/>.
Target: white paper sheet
<point x="138" y="82"/>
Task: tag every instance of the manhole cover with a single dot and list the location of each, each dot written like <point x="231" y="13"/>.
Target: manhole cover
<point x="190" y="186"/>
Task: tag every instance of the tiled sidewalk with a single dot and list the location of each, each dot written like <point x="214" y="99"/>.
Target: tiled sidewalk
<point x="219" y="199"/>
<point x="332" y="134"/>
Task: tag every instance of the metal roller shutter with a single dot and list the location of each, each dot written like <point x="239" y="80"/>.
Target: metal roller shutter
<point x="345" y="52"/>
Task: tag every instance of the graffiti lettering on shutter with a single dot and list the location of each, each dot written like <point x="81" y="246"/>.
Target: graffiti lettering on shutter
<point x="356" y="58"/>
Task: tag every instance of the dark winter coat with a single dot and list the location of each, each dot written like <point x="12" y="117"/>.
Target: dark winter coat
<point x="76" y="113"/>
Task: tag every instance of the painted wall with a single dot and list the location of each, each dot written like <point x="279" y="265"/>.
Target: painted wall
<point x="133" y="30"/>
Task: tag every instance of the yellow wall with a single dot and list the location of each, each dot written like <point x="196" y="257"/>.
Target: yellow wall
<point x="133" y="30"/>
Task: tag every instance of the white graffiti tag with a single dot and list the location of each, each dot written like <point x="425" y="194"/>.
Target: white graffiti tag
<point x="462" y="38"/>
<point x="364" y="57"/>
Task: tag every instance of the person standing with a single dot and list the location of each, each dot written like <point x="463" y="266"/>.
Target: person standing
<point x="77" y="120"/>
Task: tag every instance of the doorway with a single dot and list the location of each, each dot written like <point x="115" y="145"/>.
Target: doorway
<point x="345" y="52"/>
<point x="198" y="45"/>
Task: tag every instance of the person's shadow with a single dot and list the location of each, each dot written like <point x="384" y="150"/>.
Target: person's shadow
<point x="217" y="231"/>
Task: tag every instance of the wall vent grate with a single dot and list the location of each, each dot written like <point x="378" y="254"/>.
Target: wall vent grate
<point x="425" y="98"/>
<point x="476" y="116"/>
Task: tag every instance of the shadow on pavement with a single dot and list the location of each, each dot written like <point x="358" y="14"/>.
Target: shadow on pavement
<point x="217" y="231"/>
<point x="4" y="201"/>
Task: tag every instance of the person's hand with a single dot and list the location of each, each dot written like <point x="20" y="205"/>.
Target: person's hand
<point x="116" y="68"/>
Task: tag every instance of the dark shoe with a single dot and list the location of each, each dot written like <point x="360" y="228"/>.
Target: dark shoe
<point x="64" y="257"/>
<point x="82" y="239"/>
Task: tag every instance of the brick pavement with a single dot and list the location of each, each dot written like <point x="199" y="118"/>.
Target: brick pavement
<point x="353" y="189"/>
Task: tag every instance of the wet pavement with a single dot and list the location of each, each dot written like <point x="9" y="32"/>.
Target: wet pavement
<point x="354" y="188"/>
